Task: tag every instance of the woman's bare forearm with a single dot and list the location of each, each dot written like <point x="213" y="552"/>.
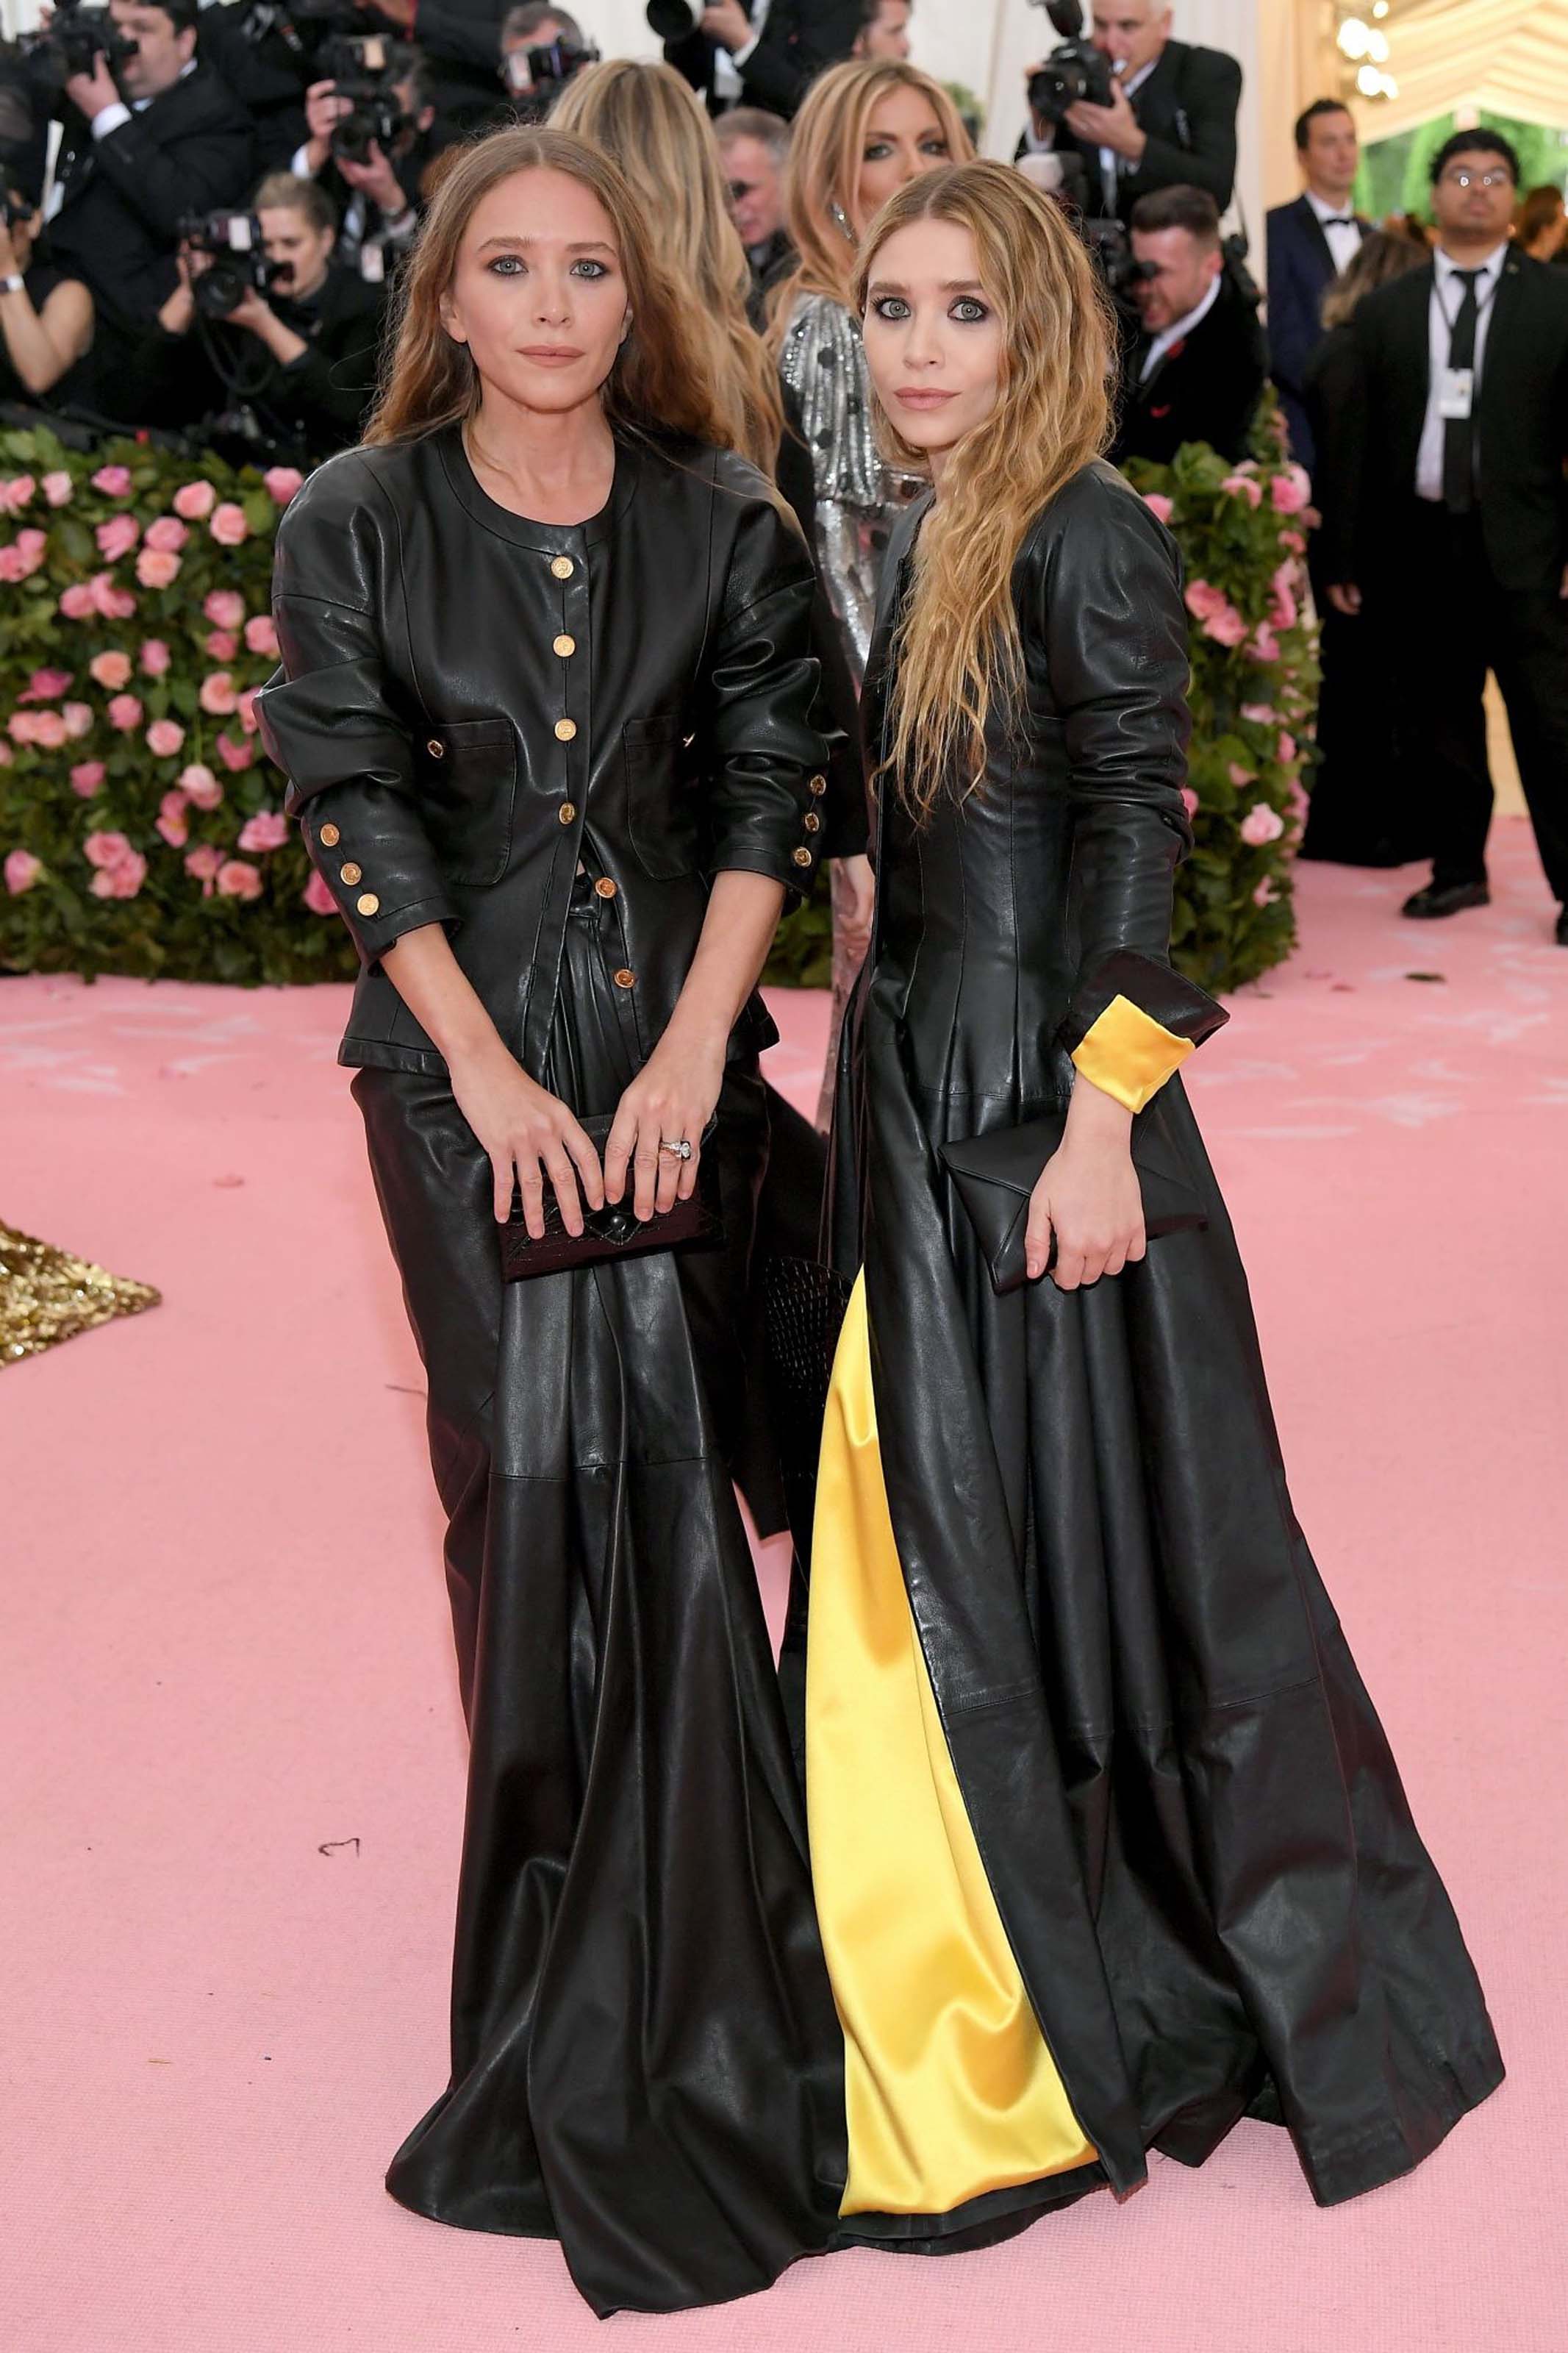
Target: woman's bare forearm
<point x="440" y="995"/>
<point x="743" y="913"/>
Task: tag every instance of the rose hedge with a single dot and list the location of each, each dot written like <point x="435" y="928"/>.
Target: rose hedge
<point x="139" y="819"/>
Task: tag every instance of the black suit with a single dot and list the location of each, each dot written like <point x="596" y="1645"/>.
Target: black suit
<point x="1187" y="109"/>
<point x="1205" y="388"/>
<point x="1300" y="269"/>
<point x="800" y="40"/>
<point x="118" y="226"/>
<point x="1458" y="594"/>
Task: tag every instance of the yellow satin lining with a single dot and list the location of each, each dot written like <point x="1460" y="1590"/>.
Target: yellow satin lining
<point x="1129" y="1054"/>
<point x="949" y="2088"/>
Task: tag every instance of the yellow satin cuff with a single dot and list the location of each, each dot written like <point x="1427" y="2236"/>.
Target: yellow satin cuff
<point x="949" y="2088"/>
<point x="1129" y="1054"/>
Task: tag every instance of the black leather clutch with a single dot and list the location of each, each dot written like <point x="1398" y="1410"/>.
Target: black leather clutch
<point x="996" y="1175"/>
<point x="615" y="1231"/>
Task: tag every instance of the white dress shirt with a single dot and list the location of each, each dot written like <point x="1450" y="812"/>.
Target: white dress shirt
<point x="1110" y="163"/>
<point x="1343" y="239"/>
<point x="1177" y="329"/>
<point x="1441" y="313"/>
<point x="727" y="63"/>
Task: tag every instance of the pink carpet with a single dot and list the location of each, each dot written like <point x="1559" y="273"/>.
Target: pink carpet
<point x="233" y="1755"/>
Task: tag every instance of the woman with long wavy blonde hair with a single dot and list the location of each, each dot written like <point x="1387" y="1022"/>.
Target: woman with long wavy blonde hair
<point x="1108" y="1846"/>
<point x="648" y="120"/>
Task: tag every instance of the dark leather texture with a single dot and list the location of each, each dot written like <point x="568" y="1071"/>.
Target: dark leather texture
<point x="614" y="1231"/>
<point x="416" y="709"/>
<point x="1187" y="1809"/>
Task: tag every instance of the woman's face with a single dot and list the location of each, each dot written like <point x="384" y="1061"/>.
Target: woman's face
<point x="904" y="137"/>
<point x="934" y="336"/>
<point x="539" y="294"/>
<point x="300" y="248"/>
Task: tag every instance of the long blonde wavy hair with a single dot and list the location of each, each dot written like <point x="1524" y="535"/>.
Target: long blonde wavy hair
<point x="957" y="646"/>
<point x="648" y="121"/>
<point x="825" y="150"/>
<point x="658" y="383"/>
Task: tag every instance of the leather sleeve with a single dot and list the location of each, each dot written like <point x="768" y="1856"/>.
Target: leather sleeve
<point x="326" y="717"/>
<point x="1115" y="635"/>
<point x="764" y="760"/>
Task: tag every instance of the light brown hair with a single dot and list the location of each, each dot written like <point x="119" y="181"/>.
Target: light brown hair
<point x="657" y="384"/>
<point x="1380" y="254"/>
<point x="957" y="650"/>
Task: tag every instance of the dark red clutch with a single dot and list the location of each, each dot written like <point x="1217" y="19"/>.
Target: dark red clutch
<point x="615" y="1231"/>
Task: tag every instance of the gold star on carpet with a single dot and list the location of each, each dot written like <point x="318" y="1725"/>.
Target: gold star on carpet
<point x="46" y="1295"/>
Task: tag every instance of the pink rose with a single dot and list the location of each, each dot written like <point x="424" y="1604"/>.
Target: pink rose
<point x="1282" y="610"/>
<point x="7" y="757"/>
<point x="174" y="831"/>
<point x="121" y="880"/>
<point x="77" y="603"/>
<point x="1226" y="627"/>
<point x="1240" y="776"/>
<point x="20" y="725"/>
<point x="235" y="879"/>
<point x="164" y="738"/>
<point x="124" y="713"/>
<point x="282" y="482"/>
<point x="15" y="493"/>
<point x="106" y="849"/>
<point x="1285" y="750"/>
<point x="1294" y="542"/>
<point x="224" y="608"/>
<point x="22" y="558"/>
<point x="1261" y="824"/>
<point x="22" y="870"/>
<point x="195" y="500"/>
<point x="247" y="708"/>
<point x="1204" y="600"/>
<point x="1265" y="645"/>
<point x="228" y="527"/>
<point x="265" y="830"/>
<point x="218" y="693"/>
<point x="48" y="730"/>
<point x="155" y="657"/>
<point x="114" y="481"/>
<point x="234" y="755"/>
<point x="117" y="537"/>
<point x="1289" y="490"/>
<point x="156" y="568"/>
<point x="203" y="862"/>
<point x="317" y="896"/>
<point x="1297" y="802"/>
<point x="1264" y="894"/>
<point x="114" y="604"/>
<point x="1262" y="715"/>
<point x="87" y="777"/>
<point x="58" y="488"/>
<point x="12" y="565"/>
<point x="168" y="533"/>
<point x="222" y="645"/>
<point x="45" y="686"/>
<point x="1244" y="486"/>
<point x="199" y="784"/>
<point x="111" y="670"/>
<point x="261" y="635"/>
<point x="1159" y="504"/>
<point x="78" y="717"/>
<point x="1189" y="800"/>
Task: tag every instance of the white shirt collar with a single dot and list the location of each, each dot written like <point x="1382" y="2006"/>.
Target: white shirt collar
<point x="1444" y="266"/>
<point x="1178" y="328"/>
<point x="1329" y="212"/>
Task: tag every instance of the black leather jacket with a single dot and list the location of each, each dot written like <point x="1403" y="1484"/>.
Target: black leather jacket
<point x="471" y="703"/>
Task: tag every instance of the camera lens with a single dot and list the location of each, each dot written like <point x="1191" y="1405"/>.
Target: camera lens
<point x="672" y="20"/>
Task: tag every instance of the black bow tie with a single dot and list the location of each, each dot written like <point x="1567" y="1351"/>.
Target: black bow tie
<point x="1336" y="220"/>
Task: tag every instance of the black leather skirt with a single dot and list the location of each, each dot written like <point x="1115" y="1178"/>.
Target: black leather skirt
<point x="645" y="2061"/>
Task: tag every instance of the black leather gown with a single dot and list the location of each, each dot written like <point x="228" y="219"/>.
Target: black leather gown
<point x="548" y="739"/>
<point x="1190" y="1824"/>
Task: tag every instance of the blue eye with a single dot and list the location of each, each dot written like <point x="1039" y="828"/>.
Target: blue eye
<point x="506" y="265"/>
<point x="969" y="312"/>
<point x="588" y="268"/>
<point x="891" y="307"/>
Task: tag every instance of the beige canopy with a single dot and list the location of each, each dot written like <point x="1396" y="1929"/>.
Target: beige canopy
<point x="1509" y="57"/>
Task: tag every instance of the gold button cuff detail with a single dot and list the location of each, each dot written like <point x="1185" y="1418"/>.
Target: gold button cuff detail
<point x="565" y="730"/>
<point x="802" y="856"/>
<point x="817" y="786"/>
<point x="437" y="749"/>
<point x="350" y="872"/>
<point x="625" y="979"/>
<point x="329" y="836"/>
<point x="604" y="888"/>
<point x="813" y="822"/>
<point x="368" y="903"/>
<point x="563" y="567"/>
<point x="564" y="644"/>
<point x="567" y="812"/>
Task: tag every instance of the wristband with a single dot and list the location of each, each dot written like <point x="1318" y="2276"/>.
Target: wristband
<point x="13" y="285"/>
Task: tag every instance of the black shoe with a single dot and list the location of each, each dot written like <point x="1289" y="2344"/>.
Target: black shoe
<point x="1562" y="927"/>
<point x="1445" y="899"/>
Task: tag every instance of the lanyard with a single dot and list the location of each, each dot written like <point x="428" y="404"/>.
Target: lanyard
<point x="1482" y="304"/>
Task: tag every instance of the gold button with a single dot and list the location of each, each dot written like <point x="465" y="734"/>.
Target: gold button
<point x="813" y="822"/>
<point x="818" y="787"/>
<point x="567" y="812"/>
<point x="565" y="645"/>
<point x="565" y="730"/>
<point x="329" y="836"/>
<point x="350" y="872"/>
<point x="368" y="903"/>
<point x="563" y="567"/>
<point x="625" y="979"/>
<point x="437" y="749"/>
<point x="803" y="857"/>
<point x="605" y="888"/>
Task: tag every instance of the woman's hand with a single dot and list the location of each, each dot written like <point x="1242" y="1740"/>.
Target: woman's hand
<point x="525" y="1129"/>
<point x="1088" y="1195"/>
<point x="854" y="904"/>
<point x="671" y="1099"/>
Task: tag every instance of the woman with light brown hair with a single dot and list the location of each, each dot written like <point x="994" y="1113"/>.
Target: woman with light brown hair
<point x="545" y="709"/>
<point x="1108" y="1845"/>
<point x="1540" y="223"/>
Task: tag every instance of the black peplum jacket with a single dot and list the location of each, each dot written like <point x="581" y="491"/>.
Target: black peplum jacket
<point x="471" y="704"/>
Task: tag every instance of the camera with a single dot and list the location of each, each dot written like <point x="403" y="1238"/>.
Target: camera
<point x="362" y="71"/>
<point x="45" y="61"/>
<point x="236" y="264"/>
<point x="674" y="20"/>
<point x="1074" y="70"/>
<point x="540" y="73"/>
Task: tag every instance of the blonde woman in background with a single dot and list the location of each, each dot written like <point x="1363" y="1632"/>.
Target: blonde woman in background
<point x="865" y="129"/>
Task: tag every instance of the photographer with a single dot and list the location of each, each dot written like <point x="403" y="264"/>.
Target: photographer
<point x="286" y="370"/>
<point x="1181" y="131"/>
<point x="541" y="49"/>
<point x="766" y="53"/>
<point x="370" y="145"/>
<point x="1196" y="372"/>
<point x="45" y="318"/>
<point x="150" y="136"/>
<point x="753" y="147"/>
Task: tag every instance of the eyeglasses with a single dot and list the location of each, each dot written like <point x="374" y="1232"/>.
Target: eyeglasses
<point x="1478" y="179"/>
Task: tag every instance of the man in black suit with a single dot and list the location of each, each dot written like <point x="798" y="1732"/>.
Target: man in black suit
<point x="1309" y="242"/>
<point x="1198" y="368"/>
<point x="1171" y="122"/>
<point x="1445" y="526"/>
<point x="765" y="53"/>
<point x="159" y="138"/>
